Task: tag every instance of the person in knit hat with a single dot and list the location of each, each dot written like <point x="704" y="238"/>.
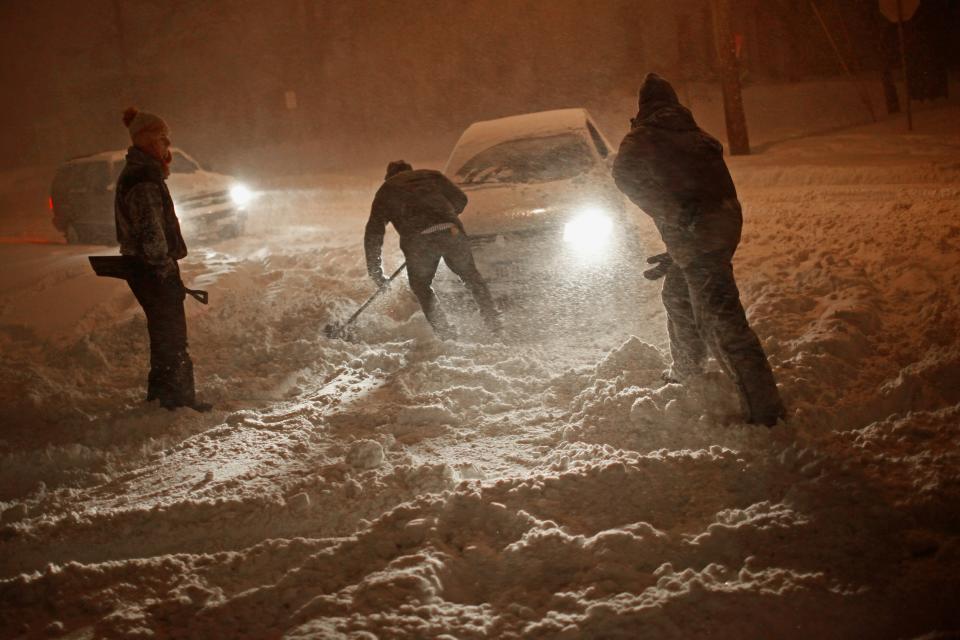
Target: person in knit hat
<point x="149" y="231"/>
<point x="674" y="171"/>
<point x="149" y="133"/>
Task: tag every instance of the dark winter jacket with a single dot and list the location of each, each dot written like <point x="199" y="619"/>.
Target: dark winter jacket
<point x="675" y="172"/>
<point x="147" y="224"/>
<point x="412" y="201"/>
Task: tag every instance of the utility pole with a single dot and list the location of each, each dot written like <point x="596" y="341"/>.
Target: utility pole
<point x="737" y="138"/>
<point x="903" y="63"/>
<point x="899" y="11"/>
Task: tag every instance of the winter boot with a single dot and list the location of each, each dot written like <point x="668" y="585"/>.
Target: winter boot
<point x="493" y="323"/>
<point x="669" y="377"/>
<point x="445" y="332"/>
<point x="438" y="320"/>
<point x="183" y="391"/>
<point x="154" y="385"/>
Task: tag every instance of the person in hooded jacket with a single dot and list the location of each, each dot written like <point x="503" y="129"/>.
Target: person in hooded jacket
<point x="676" y="174"/>
<point x="148" y="230"/>
<point x="424" y="207"/>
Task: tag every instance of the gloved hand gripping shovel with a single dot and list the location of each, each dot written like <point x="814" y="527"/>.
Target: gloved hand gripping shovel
<point x="343" y="330"/>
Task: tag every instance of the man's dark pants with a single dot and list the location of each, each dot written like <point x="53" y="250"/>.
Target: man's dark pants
<point x="171" y="369"/>
<point x="704" y="313"/>
<point x="423" y="253"/>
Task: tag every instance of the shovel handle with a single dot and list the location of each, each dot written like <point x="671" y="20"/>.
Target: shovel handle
<point x="376" y="294"/>
<point x="397" y="272"/>
<point x="199" y="295"/>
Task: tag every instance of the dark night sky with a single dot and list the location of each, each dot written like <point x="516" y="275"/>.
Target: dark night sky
<point x="370" y="76"/>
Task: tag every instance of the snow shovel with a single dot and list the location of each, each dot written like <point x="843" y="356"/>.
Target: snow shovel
<point x="342" y="330"/>
<point x="127" y="267"/>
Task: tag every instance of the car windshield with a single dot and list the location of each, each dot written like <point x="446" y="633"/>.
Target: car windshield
<point x="182" y="164"/>
<point x="545" y="159"/>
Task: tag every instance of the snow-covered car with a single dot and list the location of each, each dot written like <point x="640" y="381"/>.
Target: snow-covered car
<point x="543" y="208"/>
<point x="208" y="204"/>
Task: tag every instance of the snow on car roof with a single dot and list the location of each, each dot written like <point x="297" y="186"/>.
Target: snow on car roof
<point x="108" y="156"/>
<point x="487" y="133"/>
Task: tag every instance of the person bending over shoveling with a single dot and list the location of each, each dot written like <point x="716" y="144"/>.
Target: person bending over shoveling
<point x="675" y="172"/>
<point x="423" y="205"/>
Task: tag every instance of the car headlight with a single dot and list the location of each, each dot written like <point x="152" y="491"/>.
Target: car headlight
<point x="589" y="231"/>
<point x="241" y="194"/>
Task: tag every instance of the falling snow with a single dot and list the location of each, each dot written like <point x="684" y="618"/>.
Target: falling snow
<point x="404" y="487"/>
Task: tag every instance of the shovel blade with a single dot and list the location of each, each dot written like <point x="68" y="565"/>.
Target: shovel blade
<point x="336" y="331"/>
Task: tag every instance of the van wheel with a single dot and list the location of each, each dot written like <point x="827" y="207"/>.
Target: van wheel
<point x="72" y="235"/>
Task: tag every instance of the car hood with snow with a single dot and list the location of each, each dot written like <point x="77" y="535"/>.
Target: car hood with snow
<point x="202" y="193"/>
<point x="517" y="207"/>
<point x="531" y="170"/>
<point x="541" y="197"/>
<point x="198" y="193"/>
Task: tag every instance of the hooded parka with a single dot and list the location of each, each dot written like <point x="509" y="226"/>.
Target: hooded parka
<point x="675" y="173"/>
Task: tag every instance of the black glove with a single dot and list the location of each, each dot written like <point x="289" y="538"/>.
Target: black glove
<point x="379" y="279"/>
<point x="663" y="262"/>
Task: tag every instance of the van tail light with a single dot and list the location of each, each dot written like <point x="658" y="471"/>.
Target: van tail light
<point x="50" y="202"/>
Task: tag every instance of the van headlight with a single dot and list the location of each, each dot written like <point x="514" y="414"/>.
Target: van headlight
<point x="241" y="194"/>
<point x="589" y="231"/>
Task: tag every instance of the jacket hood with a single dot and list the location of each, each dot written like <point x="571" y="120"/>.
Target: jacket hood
<point x="655" y="89"/>
<point x="395" y="167"/>
<point x="660" y="107"/>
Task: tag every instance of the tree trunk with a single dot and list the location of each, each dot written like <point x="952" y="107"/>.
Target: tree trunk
<point x="737" y="139"/>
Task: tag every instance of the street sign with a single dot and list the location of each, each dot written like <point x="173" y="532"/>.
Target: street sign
<point x="907" y="8"/>
<point x="898" y="12"/>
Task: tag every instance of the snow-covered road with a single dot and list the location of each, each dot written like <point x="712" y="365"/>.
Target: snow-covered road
<point x="406" y="487"/>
